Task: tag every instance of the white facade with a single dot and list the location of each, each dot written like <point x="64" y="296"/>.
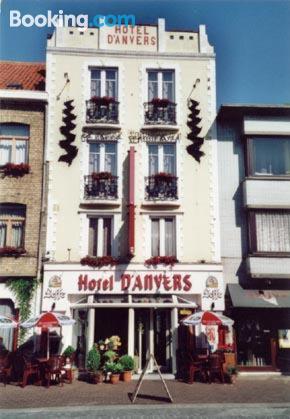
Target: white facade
<point x="183" y="223"/>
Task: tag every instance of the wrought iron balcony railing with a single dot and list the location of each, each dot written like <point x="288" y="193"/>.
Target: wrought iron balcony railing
<point x="160" y="113"/>
<point x="102" y="111"/>
<point x="161" y="188"/>
<point x="98" y="187"/>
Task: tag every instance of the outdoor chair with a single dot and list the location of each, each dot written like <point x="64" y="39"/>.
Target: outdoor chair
<point x="215" y="368"/>
<point x="30" y="367"/>
<point x="193" y="366"/>
<point x="5" y="368"/>
<point x="54" y="370"/>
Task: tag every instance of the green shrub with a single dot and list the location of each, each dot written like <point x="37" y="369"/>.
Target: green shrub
<point x="69" y="351"/>
<point x="114" y="367"/>
<point x="110" y="355"/>
<point x="127" y="362"/>
<point x="93" y="360"/>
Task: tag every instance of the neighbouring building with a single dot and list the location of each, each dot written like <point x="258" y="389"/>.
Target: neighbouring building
<point x="254" y="185"/>
<point x="22" y="122"/>
<point x="126" y="198"/>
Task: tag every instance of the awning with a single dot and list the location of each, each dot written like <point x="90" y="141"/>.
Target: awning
<point x="258" y="298"/>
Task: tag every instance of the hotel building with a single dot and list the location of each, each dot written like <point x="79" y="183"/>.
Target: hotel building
<point x="132" y="216"/>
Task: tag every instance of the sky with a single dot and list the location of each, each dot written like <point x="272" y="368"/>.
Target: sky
<point x="251" y="38"/>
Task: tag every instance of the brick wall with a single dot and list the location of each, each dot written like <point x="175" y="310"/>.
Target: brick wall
<point x="26" y="190"/>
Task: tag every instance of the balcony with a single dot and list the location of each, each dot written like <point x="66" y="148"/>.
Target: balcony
<point x="102" y="110"/>
<point x="160" y="112"/>
<point x="101" y="186"/>
<point x="161" y="187"/>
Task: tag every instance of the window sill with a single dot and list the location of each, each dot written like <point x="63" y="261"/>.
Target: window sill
<point x="269" y="177"/>
<point x="270" y="254"/>
<point x="162" y="127"/>
<point x="101" y="202"/>
<point x="161" y="203"/>
<point x="103" y="125"/>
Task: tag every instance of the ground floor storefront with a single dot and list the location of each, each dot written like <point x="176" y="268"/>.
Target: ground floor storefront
<point x="262" y="327"/>
<point x="141" y="305"/>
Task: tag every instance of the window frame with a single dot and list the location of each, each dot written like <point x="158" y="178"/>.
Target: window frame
<point x="14" y="139"/>
<point x="102" y="154"/>
<point x="249" y="158"/>
<point x="161" y="157"/>
<point x="103" y="80"/>
<point x="160" y="82"/>
<point x="252" y="232"/>
<point x="162" y="238"/>
<point x="9" y="220"/>
<point x="100" y="243"/>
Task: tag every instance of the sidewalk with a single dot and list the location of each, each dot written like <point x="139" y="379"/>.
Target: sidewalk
<point x="246" y="390"/>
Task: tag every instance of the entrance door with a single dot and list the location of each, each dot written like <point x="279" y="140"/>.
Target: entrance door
<point x="153" y="335"/>
<point x="162" y="339"/>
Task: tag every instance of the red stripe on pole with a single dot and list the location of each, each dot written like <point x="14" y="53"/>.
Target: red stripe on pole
<point x="131" y="201"/>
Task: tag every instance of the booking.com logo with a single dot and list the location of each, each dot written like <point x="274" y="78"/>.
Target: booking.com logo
<point x="66" y="20"/>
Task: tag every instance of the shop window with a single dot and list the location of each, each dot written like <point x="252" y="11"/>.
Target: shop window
<point x="100" y="236"/>
<point x="103" y="158"/>
<point x="269" y="156"/>
<point x="269" y="231"/>
<point x="13" y="143"/>
<point x="163" y="236"/>
<point x="104" y="82"/>
<point x="12" y="222"/>
<point x="161" y="84"/>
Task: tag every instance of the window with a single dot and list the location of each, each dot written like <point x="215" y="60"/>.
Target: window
<point x="161" y="84"/>
<point x="104" y="82"/>
<point x="103" y="158"/>
<point x="270" y="231"/>
<point x="163" y="240"/>
<point x="100" y="236"/>
<point x="269" y="156"/>
<point x="12" y="221"/>
<point x="13" y="143"/>
<point x="162" y="158"/>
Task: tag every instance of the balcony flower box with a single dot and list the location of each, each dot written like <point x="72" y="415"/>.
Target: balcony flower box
<point x="103" y="101"/>
<point x="16" y="170"/>
<point x="164" y="177"/>
<point x="101" y="175"/>
<point x="161" y="103"/>
<point x="11" y="251"/>
<point x="164" y="260"/>
<point x="99" y="262"/>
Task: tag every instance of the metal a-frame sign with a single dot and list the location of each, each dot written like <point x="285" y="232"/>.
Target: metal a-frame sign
<point x="140" y="381"/>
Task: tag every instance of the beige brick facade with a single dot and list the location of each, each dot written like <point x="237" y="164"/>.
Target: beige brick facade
<point x="26" y="190"/>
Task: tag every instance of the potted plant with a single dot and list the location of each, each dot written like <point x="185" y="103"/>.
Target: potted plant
<point x="115" y="369"/>
<point x="93" y="364"/>
<point x="69" y="354"/>
<point x="128" y="366"/>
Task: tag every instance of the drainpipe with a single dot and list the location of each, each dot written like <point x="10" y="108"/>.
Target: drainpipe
<point x="41" y="246"/>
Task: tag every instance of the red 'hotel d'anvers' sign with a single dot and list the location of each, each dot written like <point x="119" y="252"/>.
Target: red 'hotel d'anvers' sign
<point x="129" y="282"/>
<point x="131" y="35"/>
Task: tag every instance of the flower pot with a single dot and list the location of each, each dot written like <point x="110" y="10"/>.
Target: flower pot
<point x="127" y="376"/>
<point x="93" y="377"/>
<point x="100" y="377"/>
<point x="115" y="378"/>
<point x="233" y="378"/>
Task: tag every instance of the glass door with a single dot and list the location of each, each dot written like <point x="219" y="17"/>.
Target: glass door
<point x="162" y="339"/>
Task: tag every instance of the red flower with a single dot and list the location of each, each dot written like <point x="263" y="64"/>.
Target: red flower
<point x="165" y="260"/>
<point x="104" y="100"/>
<point x="16" y="170"/>
<point x="98" y="262"/>
<point x="11" y="251"/>
<point x="163" y="176"/>
<point x="101" y="175"/>
<point x="163" y="103"/>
